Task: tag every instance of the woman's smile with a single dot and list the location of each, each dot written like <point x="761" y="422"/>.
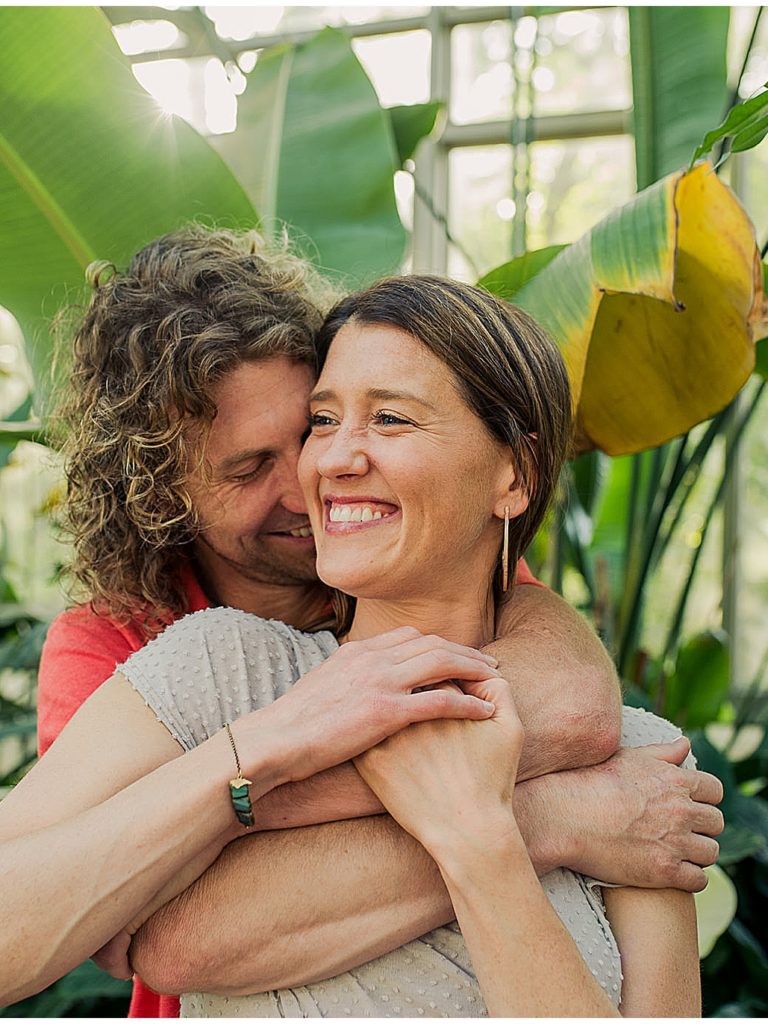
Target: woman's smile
<point x="346" y="515"/>
<point x="401" y="477"/>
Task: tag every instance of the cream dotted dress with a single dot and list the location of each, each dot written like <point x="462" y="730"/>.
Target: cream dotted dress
<point x="216" y="665"/>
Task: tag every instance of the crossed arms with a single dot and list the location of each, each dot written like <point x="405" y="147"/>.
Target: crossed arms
<point x="284" y="908"/>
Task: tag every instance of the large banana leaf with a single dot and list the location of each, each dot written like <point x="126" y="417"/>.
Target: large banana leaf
<point x="315" y="151"/>
<point x="655" y="311"/>
<point x="679" y="82"/>
<point x="89" y="166"/>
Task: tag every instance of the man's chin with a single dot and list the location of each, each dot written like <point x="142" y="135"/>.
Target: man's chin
<point x="282" y="560"/>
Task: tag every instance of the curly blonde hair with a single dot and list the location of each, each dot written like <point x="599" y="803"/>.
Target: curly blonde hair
<point x="136" y="403"/>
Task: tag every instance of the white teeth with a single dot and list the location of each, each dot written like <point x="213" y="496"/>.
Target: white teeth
<point x="303" y="531"/>
<point x="350" y="514"/>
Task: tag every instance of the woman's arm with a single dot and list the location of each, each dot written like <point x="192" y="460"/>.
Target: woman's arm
<point x="86" y="842"/>
<point x="451" y="787"/>
<point x="656" y="933"/>
<point x="299" y="905"/>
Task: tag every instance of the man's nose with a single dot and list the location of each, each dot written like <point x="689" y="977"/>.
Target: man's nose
<point x="344" y="455"/>
<point x="292" y="497"/>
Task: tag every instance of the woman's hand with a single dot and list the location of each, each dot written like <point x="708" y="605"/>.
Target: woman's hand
<point x="445" y="781"/>
<point x="366" y="691"/>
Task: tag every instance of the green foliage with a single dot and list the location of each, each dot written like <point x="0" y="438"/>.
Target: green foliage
<point x="734" y="974"/>
<point x="89" y="167"/>
<point x="746" y="125"/>
<point x="510" y="277"/>
<point x="698" y="686"/>
<point x="411" y="124"/>
<point x="84" y="992"/>
<point x="678" y="59"/>
<point x="315" y="150"/>
<point x="761" y="358"/>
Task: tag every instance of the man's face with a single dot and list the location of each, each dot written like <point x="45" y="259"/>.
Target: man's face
<point x="253" y="514"/>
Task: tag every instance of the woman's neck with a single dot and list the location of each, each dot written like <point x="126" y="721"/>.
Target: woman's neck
<point x="467" y="620"/>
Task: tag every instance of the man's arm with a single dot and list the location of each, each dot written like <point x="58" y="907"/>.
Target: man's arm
<point x="568" y="699"/>
<point x="563" y="683"/>
<point x="360" y="889"/>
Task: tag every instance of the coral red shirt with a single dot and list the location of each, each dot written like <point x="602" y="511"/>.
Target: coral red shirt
<point x="81" y="651"/>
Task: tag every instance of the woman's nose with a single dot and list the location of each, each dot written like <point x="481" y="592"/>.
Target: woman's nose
<point x="343" y="455"/>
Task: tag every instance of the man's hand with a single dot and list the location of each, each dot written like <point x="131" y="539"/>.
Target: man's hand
<point x="637" y="819"/>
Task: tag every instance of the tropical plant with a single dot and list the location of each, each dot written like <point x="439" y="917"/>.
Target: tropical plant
<point x="92" y="173"/>
<point x="620" y="519"/>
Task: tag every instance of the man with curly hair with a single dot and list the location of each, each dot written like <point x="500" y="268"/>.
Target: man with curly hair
<point x="185" y="413"/>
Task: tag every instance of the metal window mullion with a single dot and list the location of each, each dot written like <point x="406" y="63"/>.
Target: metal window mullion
<point x="552" y="127"/>
<point x="430" y="243"/>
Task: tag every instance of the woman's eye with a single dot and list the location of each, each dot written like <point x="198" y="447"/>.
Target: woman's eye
<point x="319" y="419"/>
<point x="389" y="419"/>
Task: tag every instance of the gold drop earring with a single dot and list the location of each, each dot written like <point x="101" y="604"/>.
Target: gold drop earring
<point x="505" y="553"/>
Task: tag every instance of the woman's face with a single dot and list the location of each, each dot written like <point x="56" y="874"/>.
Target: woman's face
<point x="404" y="483"/>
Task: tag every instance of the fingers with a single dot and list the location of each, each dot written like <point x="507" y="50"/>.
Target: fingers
<point x="418" y="645"/>
<point x="674" y="752"/>
<point x="705" y="788"/>
<point x="702" y="850"/>
<point x="690" y="878"/>
<point x="708" y="821"/>
<point x="446" y="702"/>
<point x="437" y="665"/>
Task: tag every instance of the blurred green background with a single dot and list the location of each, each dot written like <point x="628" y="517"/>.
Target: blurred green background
<point x="448" y="139"/>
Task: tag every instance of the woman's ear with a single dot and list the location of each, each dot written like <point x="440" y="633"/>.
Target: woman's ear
<point x="515" y="499"/>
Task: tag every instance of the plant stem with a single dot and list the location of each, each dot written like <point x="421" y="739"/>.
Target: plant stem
<point x="442" y="220"/>
<point x="687" y="479"/>
<point x="717" y="155"/>
<point x="672" y="636"/>
<point x="747" y="701"/>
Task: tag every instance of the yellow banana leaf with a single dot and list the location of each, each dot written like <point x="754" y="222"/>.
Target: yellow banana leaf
<point x="656" y="311"/>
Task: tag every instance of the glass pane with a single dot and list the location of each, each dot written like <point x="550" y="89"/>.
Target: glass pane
<point x="198" y="89"/>
<point x="144" y="36"/>
<point x="398" y="65"/>
<point x="576" y="182"/>
<point x="756" y="73"/>
<point x="481" y="84"/>
<point x="480" y="216"/>
<point x="582" y="62"/>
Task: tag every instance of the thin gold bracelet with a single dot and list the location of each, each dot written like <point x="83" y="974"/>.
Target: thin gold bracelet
<point x="238" y="789"/>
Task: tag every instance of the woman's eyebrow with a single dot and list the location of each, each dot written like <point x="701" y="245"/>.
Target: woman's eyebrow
<point x="380" y="394"/>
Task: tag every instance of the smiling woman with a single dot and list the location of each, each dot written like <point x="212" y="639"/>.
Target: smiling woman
<point x="478" y="433"/>
<point x="438" y="427"/>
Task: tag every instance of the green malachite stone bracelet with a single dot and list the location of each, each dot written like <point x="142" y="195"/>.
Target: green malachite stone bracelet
<point x="238" y="789"/>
